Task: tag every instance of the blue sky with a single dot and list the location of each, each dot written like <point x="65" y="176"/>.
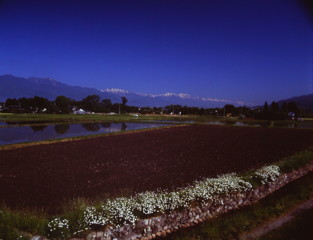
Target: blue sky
<point x="252" y="50"/>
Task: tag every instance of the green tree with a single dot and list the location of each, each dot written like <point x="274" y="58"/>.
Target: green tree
<point x="124" y="100"/>
<point x="292" y="107"/>
<point x="274" y="107"/>
<point x="91" y="102"/>
<point x="63" y="104"/>
<point x="106" y="105"/>
<point x="25" y="104"/>
<point x="284" y="107"/>
<point x="11" y="102"/>
<point x="39" y="104"/>
<point x="229" y="108"/>
<point x="175" y="109"/>
<point x="265" y="107"/>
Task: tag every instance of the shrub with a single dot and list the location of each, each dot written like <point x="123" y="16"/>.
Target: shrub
<point x="267" y="174"/>
<point x="58" y="228"/>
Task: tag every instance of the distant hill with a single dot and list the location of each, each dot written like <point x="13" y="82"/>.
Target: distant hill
<point x="18" y="87"/>
<point x="304" y="102"/>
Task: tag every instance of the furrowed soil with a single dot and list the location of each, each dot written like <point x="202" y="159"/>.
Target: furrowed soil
<point x="46" y="176"/>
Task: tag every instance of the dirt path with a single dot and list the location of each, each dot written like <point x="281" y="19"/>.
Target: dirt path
<point x="278" y="222"/>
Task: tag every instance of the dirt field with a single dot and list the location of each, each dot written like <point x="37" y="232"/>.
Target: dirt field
<point x="44" y="176"/>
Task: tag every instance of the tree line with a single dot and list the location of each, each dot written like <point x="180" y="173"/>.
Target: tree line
<point x="94" y="103"/>
<point x="274" y="111"/>
<point x="62" y="104"/>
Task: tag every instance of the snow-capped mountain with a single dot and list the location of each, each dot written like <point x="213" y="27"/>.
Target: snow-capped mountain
<point x="158" y="100"/>
<point x="18" y="87"/>
<point x="115" y="90"/>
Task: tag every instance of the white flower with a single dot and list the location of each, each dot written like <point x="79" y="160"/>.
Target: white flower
<point x="121" y="211"/>
<point x="58" y="226"/>
<point x="267" y="174"/>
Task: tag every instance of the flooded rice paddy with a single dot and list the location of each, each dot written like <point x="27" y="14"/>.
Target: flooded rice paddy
<point x="19" y="134"/>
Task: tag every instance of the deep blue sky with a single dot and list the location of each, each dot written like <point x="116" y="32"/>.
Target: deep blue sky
<point x="253" y="50"/>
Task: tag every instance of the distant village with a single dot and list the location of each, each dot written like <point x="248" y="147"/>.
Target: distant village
<point x="94" y="104"/>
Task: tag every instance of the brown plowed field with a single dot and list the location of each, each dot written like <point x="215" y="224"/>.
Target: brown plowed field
<point x="44" y="176"/>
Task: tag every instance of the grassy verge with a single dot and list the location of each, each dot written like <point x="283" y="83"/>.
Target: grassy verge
<point x="72" y="118"/>
<point x="13" y="224"/>
<point x="232" y="225"/>
<point x="298" y="228"/>
<point x="21" y="225"/>
<point x="296" y="161"/>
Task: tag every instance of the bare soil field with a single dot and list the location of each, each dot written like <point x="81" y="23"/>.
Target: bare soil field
<point x="46" y="176"/>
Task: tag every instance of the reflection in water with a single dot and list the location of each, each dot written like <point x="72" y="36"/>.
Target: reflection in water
<point x="123" y="126"/>
<point x="106" y="124"/>
<point x="37" y="128"/>
<point x="216" y="123"/>
<point x="25" y="122"/>
<point x="17" y="134"/>
<point x="92" y="127"/>
<point x="11" y="135"/>
<point x="246" y="124"/>
<point x="61" y="128"/>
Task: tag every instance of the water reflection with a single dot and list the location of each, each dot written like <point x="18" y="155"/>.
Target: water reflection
<point x="216" y="123"/>
<point x="11" y="135"/>
<point x="18" y="123"/>
<point x="123" y="126"/>
<point x="61" y="128"/>
<point x="16" y="134"/>
<point x="92" y="127"/>
<point x="37" y="128"/>
<point x="246" y="124"/>
<point x="106" y="124"/>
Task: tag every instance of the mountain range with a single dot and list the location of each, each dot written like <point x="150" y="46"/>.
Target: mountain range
<point x="18" y="87"/>
<point x="304" y="102"/>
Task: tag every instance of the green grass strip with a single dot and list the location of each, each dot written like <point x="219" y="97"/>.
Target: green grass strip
<point x="19" y="225"/>
<point x="298" y="228"/>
